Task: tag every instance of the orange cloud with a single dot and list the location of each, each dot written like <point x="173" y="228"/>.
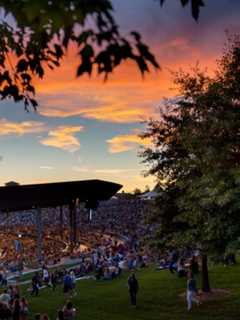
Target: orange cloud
<point x="20" y="128"/>
<point x="63" y="137"/>
<point x="112" y="102"/>
<point x="125" y="97"/>
<point x="116" y="171"/>
<point x="126" y="142"/>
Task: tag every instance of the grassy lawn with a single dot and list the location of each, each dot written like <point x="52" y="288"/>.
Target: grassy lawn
<point x="158" y="298"/>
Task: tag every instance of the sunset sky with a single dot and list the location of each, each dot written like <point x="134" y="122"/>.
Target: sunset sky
<point x="86" y="128"/>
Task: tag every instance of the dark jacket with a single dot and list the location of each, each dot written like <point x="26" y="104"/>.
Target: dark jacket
<point x="132" y="284"/>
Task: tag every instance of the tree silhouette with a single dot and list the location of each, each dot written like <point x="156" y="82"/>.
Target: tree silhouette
<point x="195" y="151"/>
<point x="11" y="184"/>
<point x="35" y="35"/>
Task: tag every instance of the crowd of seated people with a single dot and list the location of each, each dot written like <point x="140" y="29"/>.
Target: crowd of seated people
<point x="180" y="262"/>
<point x="103" y="255"/>
<point x="122" y="218"/>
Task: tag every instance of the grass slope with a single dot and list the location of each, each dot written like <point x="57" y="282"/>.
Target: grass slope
<point x="158" y="298"/>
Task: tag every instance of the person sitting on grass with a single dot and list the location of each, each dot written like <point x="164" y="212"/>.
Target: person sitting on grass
<point x="60" y="315"/>
<point x="180" y="268"/>
<point x="69" y="312"/>
<point x="44" y="317"/>
<point x="191" y="291"/>
<point x="5" y="311"/>
<point x="37" y="316"/>
<point x="5" y="297"/>
<point x="106" y="274"/>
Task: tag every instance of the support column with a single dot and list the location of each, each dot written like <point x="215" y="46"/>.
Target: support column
<point x="90" y="215"/>
<point x="61" y="219"/>
<point x="73" y="223"/>
<point x="39" y="233"/>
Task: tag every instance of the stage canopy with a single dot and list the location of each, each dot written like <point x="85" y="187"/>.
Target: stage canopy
<point x="25" y="197"/>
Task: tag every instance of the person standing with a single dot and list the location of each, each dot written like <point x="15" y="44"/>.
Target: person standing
<point x="191" y="292"/>
<point x="23" y="309"/>
<point x="35" y="284"/>
<point x="16" y="310"/>
<point x="73" y="278"/>
<point x="45" y="276"/>
<point x="54" y="279"/>
<point x="67" y="283"/>
<point x="133" y="288"/>
<point x="194" y="268"/>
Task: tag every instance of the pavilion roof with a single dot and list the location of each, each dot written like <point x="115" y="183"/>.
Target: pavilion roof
<point x="25" y="197"/>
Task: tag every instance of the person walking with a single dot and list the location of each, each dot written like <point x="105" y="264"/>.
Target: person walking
<point x="191" y="292"/>
<point x="133" y="288"/>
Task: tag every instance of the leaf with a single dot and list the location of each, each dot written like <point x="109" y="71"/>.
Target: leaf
<point x="104" y="62"/>
<point x="196" y="4"/>
<point x="144" y="51"/>
<point x="184" y="2"/>
<point x="136" y="35"/>
<point x="19" y="51"/>
<point x="83" y="37"/>
<point x="142" y="64"/>
<point x="2" y="60"/>
<point x="58" y="50"/>
<point x="26" y="77"/>
<point x="85" y="67"/>
<point x="22" y="65"/>
<point x="33" y="63"/>
<point x="87" y="52"/>
<point x="126" y="51"/>
<point x="114" y="50"/>
<point x="56" y="63"/>
<point x="67" y="36"/>
<point x="30" y="88"/>
<point x="33" y="103"/>
<point x="39" y="70"/>
<point x="11" y="90"/>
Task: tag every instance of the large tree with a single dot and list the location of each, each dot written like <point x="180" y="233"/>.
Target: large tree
<point x="196" y="152"/>
<point x="35" y="35"/>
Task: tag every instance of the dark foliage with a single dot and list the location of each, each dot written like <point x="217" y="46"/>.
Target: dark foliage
<point x="196" y="154"/>
<point x="35" y="35"/>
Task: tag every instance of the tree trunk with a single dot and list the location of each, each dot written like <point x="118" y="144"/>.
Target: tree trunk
<point x="205" y="278"/>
